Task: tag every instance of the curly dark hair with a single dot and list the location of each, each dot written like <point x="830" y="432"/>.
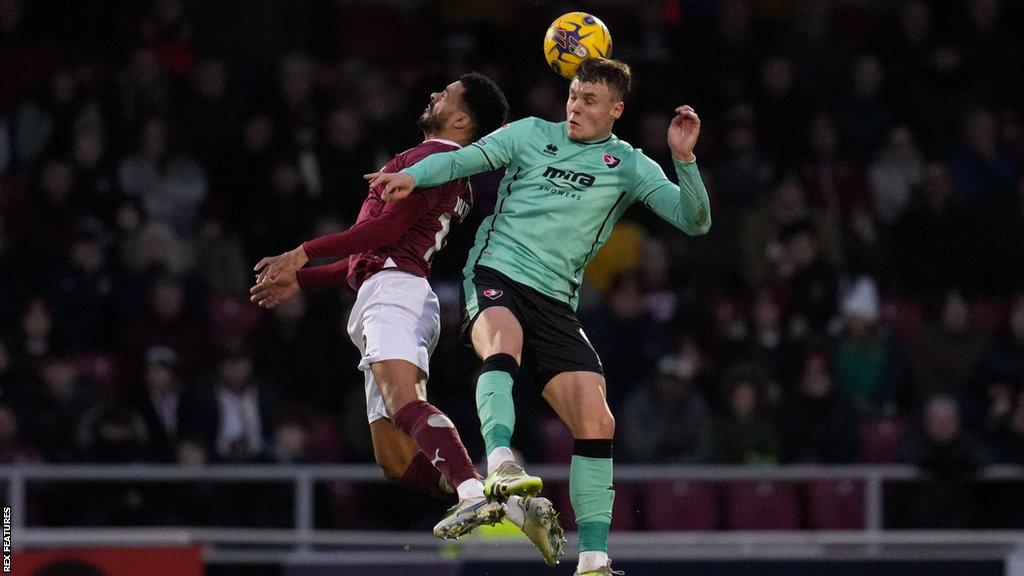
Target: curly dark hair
<point x="485" y="103"/>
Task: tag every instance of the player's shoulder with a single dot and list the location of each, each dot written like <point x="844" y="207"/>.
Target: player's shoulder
<point x="426" y="148"/>
<point x="517" y="126"/>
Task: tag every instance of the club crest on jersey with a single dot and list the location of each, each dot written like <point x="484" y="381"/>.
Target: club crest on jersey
<point x="492" y="293"/>
<point x="611" y="161"/>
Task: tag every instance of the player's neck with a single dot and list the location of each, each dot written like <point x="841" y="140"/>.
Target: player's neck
<point x="457" y="138"/>
<point x="593" y="139"/>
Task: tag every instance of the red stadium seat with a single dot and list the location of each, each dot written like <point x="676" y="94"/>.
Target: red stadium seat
<point x="835" y="505"/>
<point x="762" y="506"/>
<point x="881" y="440"/>
<point x="680" y="505"/>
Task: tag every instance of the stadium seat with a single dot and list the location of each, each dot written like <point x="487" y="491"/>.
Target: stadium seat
<point x="762" y="506"/>
<point x="680" y="505"/>
<point x="835" y="505"/>
<point x="881" y="440"/>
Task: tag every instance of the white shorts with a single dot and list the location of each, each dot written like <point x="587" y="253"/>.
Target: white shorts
<point x="396" y="316"/>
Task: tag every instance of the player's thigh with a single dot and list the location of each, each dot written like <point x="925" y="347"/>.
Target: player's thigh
<point x="579" y="400"/>
<point x="496" y="330"/>
<point x="400" y="382"/>
<point x="392" y="449"/>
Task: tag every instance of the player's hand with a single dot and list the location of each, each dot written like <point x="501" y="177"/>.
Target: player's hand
<point x="272" y="266"/>
<point x="397" y="185"/>
<point x="682" y="133"/>
<point x="268" y="293"/>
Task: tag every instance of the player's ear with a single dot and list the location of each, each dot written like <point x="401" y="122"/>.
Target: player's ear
<point x="617" y="109"/>
<point x="461" y="121"/>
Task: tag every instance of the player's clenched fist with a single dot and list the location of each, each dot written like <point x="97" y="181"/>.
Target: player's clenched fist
<point x="397" y="185"/>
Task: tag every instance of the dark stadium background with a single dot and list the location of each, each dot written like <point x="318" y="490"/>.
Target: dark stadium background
<point x="864" y="161"/>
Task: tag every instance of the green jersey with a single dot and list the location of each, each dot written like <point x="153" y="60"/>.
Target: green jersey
<point x="560" y="199"/>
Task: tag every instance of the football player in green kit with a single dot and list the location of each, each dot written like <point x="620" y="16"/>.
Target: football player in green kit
<point x="565" y="186"/>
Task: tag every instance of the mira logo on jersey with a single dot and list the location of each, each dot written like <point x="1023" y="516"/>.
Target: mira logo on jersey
<point x="567" y="182"/>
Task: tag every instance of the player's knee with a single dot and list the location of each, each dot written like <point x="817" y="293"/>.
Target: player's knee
<point x="597" y="426"/>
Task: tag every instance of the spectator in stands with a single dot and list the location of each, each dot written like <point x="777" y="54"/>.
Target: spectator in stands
<point x="291" y="443"/>
<point x="834" y="183"/>
<point x="768" y="345"/>
<point x="113" y="432"/>
<point x="53" y="413"/>
<point x="981" y="166"/>
<point x="668" y="420"/>
<point x="1003" y="430"/>
<point x="14" y="449"/>
<point x="865" y="111"/>
<point x="817" y="424"/>
<point x="762" y="244"/>
<point x="241" y="411"/>
<point x="1003" y="244"/>
<point x="169" y="322"/>
<point x="930" y="244"/>
<point x="744" y="174"/>
<point x="951" y="456"/>
<point x="622" y="334"/>
<point x="169" y="184"/>
<point x="947" y="351"/>
<point x="894" y="175"/>
<point x="1004" y="360"/>
<point x="13" y="388"/>
<point x="811" y="283"/>
<point x="867" y="365"/>
<point x="744" y="434"/>
<point x="169" y="412"/>
<point x="84" y="295"/>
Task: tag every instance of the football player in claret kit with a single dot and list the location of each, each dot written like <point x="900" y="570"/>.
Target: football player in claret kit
<point x="395" y="321"/>
<point x="565" y="186"/>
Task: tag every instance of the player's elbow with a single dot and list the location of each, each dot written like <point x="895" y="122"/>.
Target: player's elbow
<point x="700" y="224"/>
<point x="700" y="228"/>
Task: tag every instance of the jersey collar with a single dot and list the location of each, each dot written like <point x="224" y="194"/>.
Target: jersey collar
<point x="443" y="141"/>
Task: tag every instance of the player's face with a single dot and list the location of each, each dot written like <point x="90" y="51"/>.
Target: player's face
<point x="444" y="105"/>
<point x="591" y="110"/>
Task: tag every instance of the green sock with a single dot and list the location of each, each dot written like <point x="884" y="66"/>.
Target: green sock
<point x="495" y="408"/>
<point x="591" y="495"/>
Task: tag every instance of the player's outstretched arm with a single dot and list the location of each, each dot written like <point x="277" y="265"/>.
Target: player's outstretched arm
<point x="685" y="206"/>
<point x="269" y="293"/>
<point x="272" y="266"/>
<point x="488" y="153"/>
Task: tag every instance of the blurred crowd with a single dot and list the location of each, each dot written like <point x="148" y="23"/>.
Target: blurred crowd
<point x="860" y="297"/>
